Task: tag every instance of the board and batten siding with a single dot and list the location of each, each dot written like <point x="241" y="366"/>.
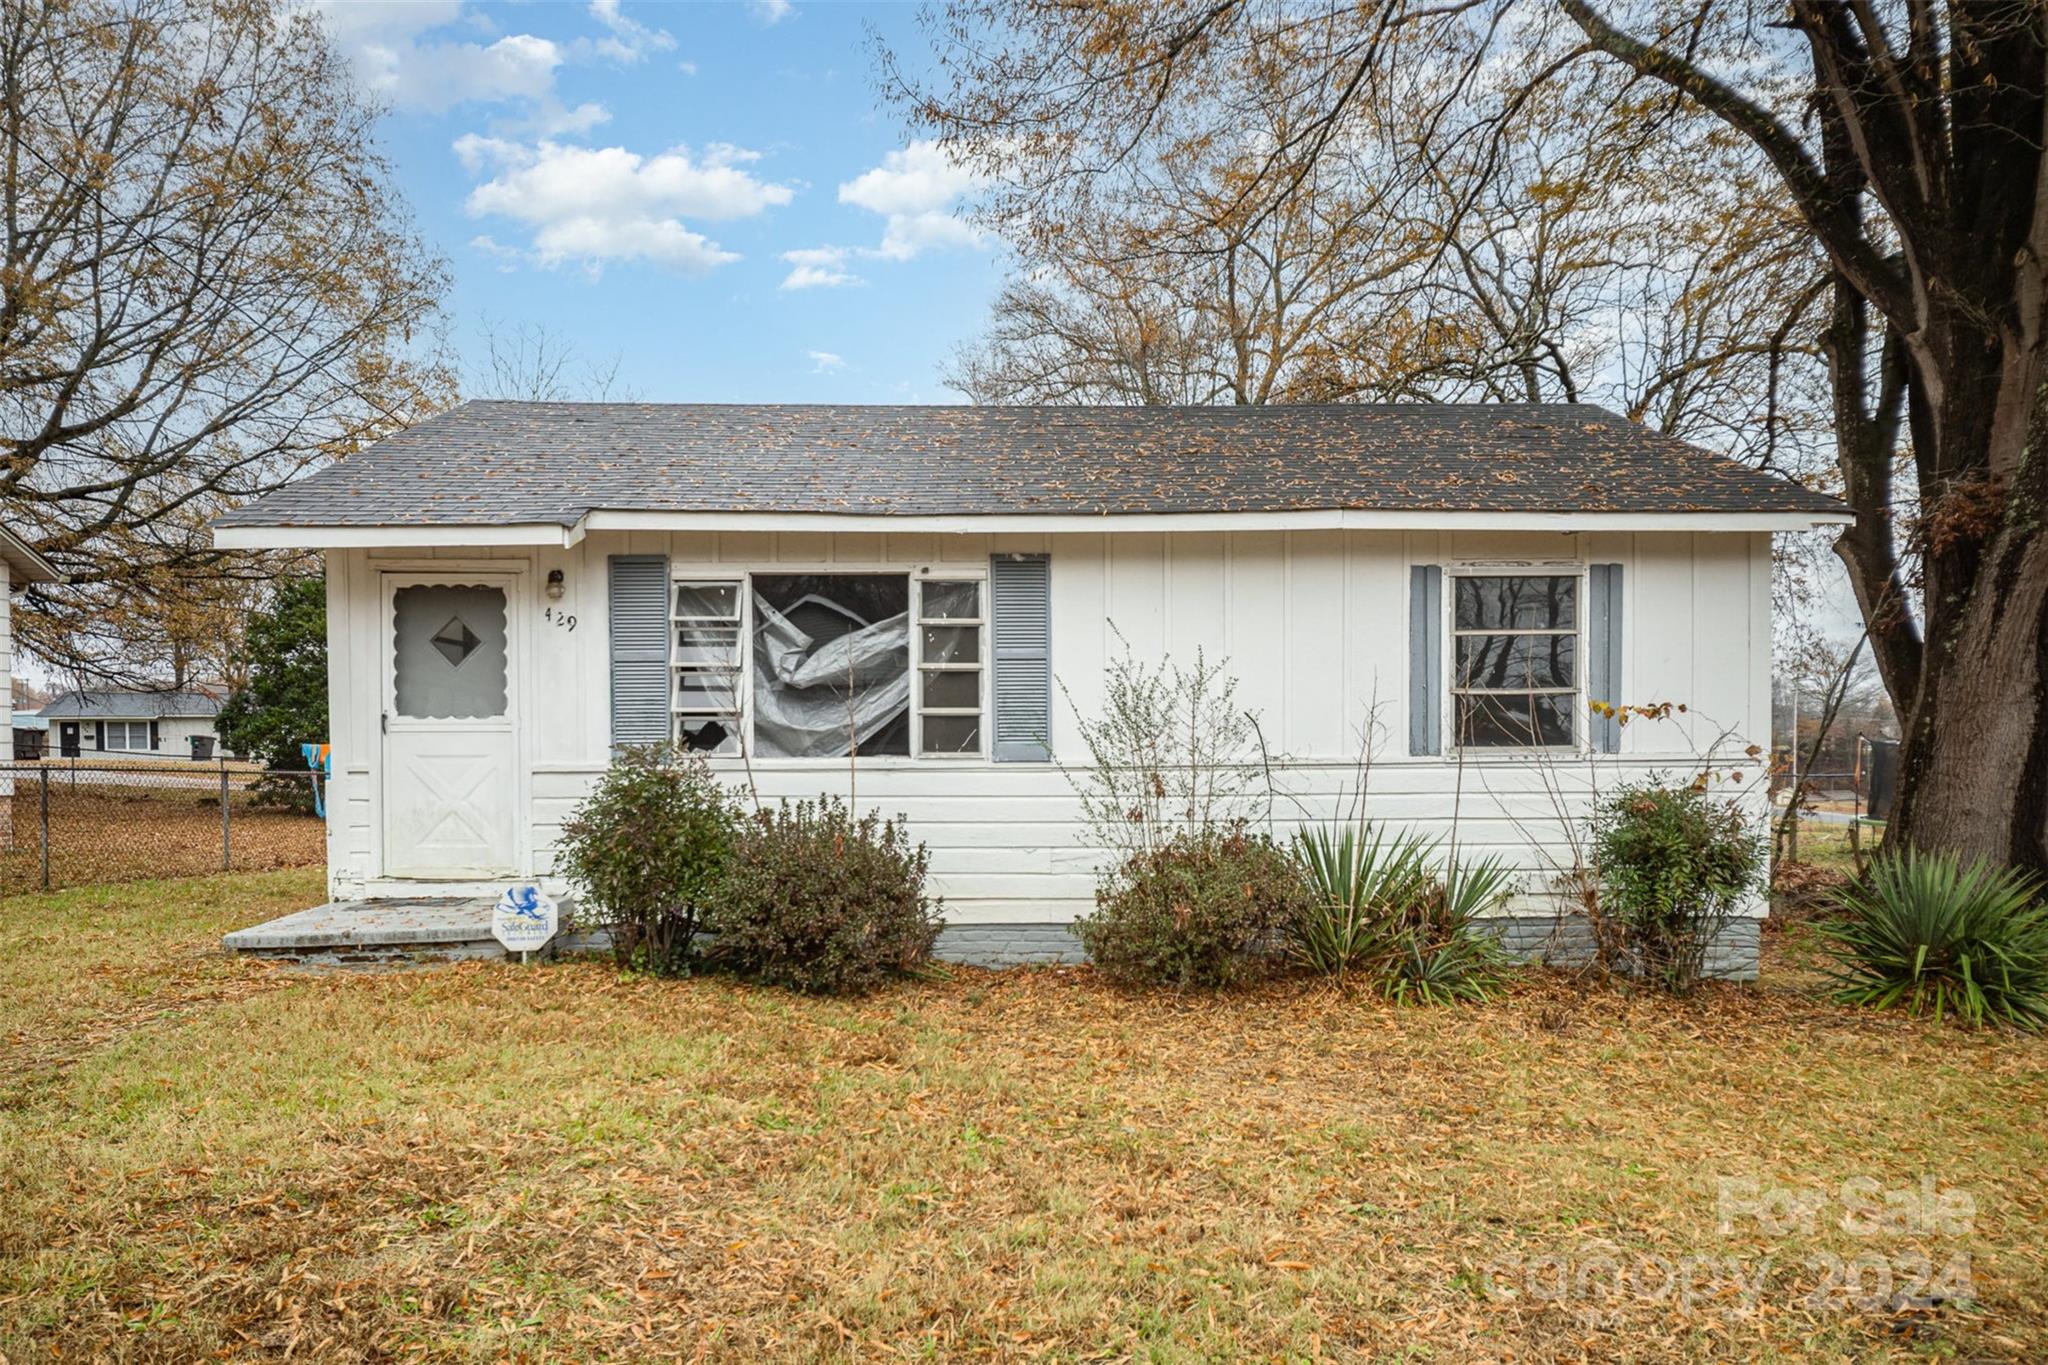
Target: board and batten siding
<point x="1315" y="626"/>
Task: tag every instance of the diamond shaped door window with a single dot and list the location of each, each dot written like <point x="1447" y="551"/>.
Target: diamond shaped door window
<point x="456" y="641"/>
<point x="448" y="650"/>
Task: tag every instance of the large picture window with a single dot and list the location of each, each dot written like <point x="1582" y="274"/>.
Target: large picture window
<point x="831" y="664"/>
<point x="1514" y="660"/>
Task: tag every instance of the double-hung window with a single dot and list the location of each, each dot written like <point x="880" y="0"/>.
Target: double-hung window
<point x="1515" y="660"/>
<point x="129" y="735"/>
<point x="706" y="618"/>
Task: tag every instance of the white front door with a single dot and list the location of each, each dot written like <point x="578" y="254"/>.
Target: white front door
<point x="450" y="749"/>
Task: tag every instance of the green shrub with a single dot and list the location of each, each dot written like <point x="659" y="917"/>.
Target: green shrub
<point x="1675" y="865"/>
<point x="821" y="902"/>
<point x="1932" y="935"/>
<point x="1194" y="912"/>
<point x="646" y="851"/>
<point x="1378" y="908"/>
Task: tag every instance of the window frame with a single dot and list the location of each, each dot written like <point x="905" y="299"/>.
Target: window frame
<point x="127" y="729"/>
<point x="742" y="660"/>
<point x="976" y="572"/>
<point x="919" y="668"/>
<point x="1448" y="702"/>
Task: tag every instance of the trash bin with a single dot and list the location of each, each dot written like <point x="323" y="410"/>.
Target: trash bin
<point x="202" y="748"/>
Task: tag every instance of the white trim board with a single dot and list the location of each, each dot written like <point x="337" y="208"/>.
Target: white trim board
<point x="359" y="537"/>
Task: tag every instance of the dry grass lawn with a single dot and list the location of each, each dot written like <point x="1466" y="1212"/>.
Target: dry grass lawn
<point x="201" y="1156"/>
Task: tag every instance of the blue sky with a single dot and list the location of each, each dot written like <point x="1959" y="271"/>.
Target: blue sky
<point x="713" y="193"/>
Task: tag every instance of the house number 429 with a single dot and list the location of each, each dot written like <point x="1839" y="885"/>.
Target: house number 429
<point x="564" y="619"/>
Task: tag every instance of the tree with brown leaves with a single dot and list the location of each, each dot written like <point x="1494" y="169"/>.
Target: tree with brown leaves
<point x="207" y="285"/>
<point x="1782" y="201"/>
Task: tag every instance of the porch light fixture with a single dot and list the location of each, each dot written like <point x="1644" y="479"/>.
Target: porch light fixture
<point x="554" y="585"/>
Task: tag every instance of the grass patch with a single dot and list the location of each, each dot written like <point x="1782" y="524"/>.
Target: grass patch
<point x="199" y="1154"/>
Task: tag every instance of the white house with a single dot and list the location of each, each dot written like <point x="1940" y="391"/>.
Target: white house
<point x="514" y="589"/>
<point x="118" y="723"/>
<point x="22" y="566"/>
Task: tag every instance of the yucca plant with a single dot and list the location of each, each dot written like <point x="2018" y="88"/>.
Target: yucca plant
<point x="1379" y="908"/>
<point x="1440" y="955"/>
<point x="1359" y="878"/>
<point x="1930" y="934"/>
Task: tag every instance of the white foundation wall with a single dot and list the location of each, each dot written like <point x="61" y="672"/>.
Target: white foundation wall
<point x="1314" y="626"/>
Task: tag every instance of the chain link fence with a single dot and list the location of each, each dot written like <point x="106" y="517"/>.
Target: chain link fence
<point x="79" y="822"/>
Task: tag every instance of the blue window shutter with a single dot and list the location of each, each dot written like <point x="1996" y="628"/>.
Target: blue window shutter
<point x="1603" y="652"/>
<point x="640" y="681"/>
<point x="1020" y="615"/>
<point x="1426" y="659"/>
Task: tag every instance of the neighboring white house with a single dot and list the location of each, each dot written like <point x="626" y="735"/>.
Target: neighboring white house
<point x="514" y="589"/>
<point x="23" y="566"/>
<point x="122" y="723"/>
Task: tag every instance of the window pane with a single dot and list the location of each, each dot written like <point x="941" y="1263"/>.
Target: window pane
<point x="831" y="659"/>
<point x="952" y="644"/>
<point x="706" y="691"/>
<point x="713" y="735"/>
<point x="448" y="650"/>
<point x="952" y="689"/>
<point x="952" y="734"/>
<point x="1519" y="603"/>
<point x="701" y="600"/>
<point x="1521" y="722"/>
<point x="952" y="601"/>
<point x="707" y="644"/>
<point x="1516" y="661"/>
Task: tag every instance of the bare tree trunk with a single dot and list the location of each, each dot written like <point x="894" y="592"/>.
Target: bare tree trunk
<point x="1973" y="773"/>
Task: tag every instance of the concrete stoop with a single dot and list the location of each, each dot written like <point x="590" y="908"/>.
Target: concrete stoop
<point x="375" y="933"/>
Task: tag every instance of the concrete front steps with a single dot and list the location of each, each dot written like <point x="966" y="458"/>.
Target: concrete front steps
<point x="371" y="933"/>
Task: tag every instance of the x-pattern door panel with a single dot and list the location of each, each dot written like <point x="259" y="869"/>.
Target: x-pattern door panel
<point x="450" y="746"/>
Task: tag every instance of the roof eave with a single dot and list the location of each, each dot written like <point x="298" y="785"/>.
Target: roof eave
<point x="246" y="536"/>
<point x="24" y="564"/>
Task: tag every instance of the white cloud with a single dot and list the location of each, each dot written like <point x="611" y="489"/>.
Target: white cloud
<point x="917" y="189"/>
<point x="507" y="259"/>
<point x="818" y="267"/>
<point x="628" y="40"/>
<point x="390" y="47"/>
<point x="435" y="77"/>
<point x="596" y="205"/>
<point x="769" y="11"/>
<point x="687" y="68"/>
<point x="595" y="241"/>
<point x="555" y="121"/>
<point x="824" y="362"/>
<point x="551" y="180"/>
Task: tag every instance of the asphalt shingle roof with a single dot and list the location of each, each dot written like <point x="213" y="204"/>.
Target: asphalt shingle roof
<point x="505" y="463"/>
<point x="126" y="705"/>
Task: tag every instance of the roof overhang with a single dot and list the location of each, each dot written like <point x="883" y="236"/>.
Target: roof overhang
<point x="24" y="565"/>
<point x="248" y="537"/>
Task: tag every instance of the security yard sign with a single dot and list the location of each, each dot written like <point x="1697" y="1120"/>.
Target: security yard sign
<point x="524" y="920"/>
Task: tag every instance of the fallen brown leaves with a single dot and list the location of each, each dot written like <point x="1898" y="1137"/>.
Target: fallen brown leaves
<point x="493" y="1162"/>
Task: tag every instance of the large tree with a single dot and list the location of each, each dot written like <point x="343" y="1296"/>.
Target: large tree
<point x="207" y="284"/>
<point x="1883" y="163"/>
